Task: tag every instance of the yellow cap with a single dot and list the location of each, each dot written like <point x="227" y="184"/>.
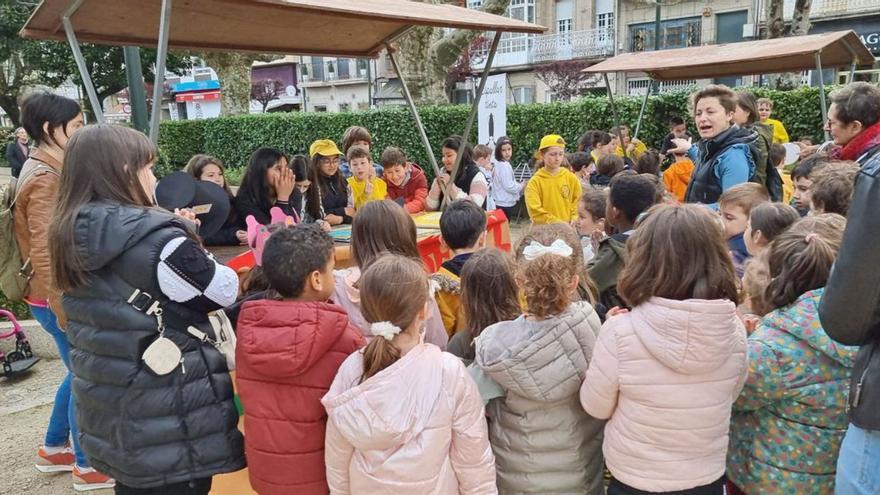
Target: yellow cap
<point x="324" y="147"/>
<point x="548" y="141"/>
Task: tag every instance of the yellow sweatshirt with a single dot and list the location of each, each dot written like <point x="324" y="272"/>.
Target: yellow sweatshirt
<point x="780" y="135"/>
<point x="639" y="149"/>
<point x="553" y="198"/>
<point x="358" y="191"/>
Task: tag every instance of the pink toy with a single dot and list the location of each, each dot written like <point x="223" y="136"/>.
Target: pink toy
<point x="257" y="234"/>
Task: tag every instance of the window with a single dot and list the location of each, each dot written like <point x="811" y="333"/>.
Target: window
<point x="344" y="107"/>
<point x="523" y="10"/>
<point x="362" y="67"/>
<point x="344" y="65"/>
<point x="524" y="94"/>
<point x="317" y="69"/>
<point x="320" y="108"/>
<point x="674" y="33"/>
<point x="563" y="16"/>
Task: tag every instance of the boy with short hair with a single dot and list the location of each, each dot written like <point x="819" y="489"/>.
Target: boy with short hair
<point x="406" y="182"/>
<point x="833" y="187"/>
<point x="735" y="205"/>
<point x="630" y="195"/>
<point x="777" y="158"/>
<point x="801" y="177"/>
<point x="765" y="108"/>
<point x="287" y="354"/>
<point x="462" y="231"/>
<point x="363" y="185"/>
<point x="553" y="192"/>
<point x="483" y="159"/>
<point x="606" y="168"/>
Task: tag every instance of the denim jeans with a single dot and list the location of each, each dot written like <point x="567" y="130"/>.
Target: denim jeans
<point x="858" y="465"/>
<point x="62" y="422"/>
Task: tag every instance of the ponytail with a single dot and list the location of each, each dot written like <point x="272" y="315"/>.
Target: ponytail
<point x="379" y="354"/>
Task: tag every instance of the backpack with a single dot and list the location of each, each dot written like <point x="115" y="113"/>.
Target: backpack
<point x="15" y="274"/>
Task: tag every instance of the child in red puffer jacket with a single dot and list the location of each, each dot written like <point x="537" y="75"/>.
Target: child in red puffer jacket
<point x="287" y="355"/>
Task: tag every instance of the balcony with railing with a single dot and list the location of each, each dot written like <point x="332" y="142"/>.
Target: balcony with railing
<point x="831" y="8"/>
<point x="527" y="50"/>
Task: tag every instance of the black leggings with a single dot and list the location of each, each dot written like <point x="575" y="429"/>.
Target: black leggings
<point x="716" y="488"/>
<point x="194" y="487"/>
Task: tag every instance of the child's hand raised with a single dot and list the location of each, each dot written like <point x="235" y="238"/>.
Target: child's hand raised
<point x="284" y="183"/>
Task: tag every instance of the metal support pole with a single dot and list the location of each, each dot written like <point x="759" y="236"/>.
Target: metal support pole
<point x="473" y="115"/>
<point x="136" y="97"/>
<point x="614" y="112"/>
<point x="412" y="108"/>
<point x="159" y="82"/>
<point x="822" y="93"/>
<point x="642" y="111"/>
<point x="81" y="65"/>
<point x="852" y="71"/>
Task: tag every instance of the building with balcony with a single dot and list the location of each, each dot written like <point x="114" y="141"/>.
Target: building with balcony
<point x="577" y="30"/>
<point x="332" y="84"/>
<point x="285" y="70"/>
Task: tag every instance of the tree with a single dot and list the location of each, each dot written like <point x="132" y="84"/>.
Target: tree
<point x="427" y="53"/>
<point x="566" y="78"/>
<point x="776" y="28"/>
<point x="234" y="71"/>
<point x="16" y="64"/>
<point x="266" y="90"/>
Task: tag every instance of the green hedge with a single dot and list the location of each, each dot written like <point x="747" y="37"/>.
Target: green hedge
<point x="232" y="139"/>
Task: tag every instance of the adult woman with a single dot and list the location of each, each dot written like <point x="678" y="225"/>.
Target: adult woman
<point x="849" y="306"/>
<point x="210" y="169"/>
<point x="328" y="194"/>
<point x="131" y="275"/>
<point x="723" y="157"/>
<point x="746" y="116"/>
<point x="51" y="120"/>
<point x="17" y="151"/>
<point x="468" y="183"/>
<point x="267" y="182"/>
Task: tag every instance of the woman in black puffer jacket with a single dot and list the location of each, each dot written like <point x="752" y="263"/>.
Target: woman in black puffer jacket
<point x="154" y="433"/>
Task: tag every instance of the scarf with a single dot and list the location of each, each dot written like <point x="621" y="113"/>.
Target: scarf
<point x="867" y="139"/>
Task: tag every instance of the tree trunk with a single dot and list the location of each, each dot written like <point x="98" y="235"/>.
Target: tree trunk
<point x="234" y="72"/>
<point x="775" y="19"/>
<point x="800" y="20"/>
<point x="800" y="25"/>
<point x="10" y="105"/>
<point x="427" y="54"/>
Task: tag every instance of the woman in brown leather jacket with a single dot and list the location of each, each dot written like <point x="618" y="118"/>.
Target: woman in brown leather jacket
<point x="50" y="120"/>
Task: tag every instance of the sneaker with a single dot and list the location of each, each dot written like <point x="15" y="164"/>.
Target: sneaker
<point x="85" y="479"/>
<point x="61" y="459"/>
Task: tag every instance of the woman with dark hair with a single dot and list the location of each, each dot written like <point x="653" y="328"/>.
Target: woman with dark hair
<point x="724" y="156"/>
<point x="51" y="120"/>
<point x="210" y="169"/>
<point x="267" y="182"/>
<point x="154" y="403"/>
<point x="468" y="183"/>
<point x="328" y="196"/>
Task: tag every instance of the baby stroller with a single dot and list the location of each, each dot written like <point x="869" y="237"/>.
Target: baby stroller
<point x="21" y="359"/>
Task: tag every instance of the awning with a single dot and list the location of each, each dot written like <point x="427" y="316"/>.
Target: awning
<point x="350" y="28"/>
<point x="750" y="57"/>
<point x="200" y="96"/>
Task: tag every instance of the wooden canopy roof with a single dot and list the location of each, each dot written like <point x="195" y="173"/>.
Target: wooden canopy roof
<point x="350" y="28"/>
<point x="750" y="57"/>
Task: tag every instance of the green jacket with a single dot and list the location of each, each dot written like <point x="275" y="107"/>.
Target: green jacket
<point x="605" y="268"/>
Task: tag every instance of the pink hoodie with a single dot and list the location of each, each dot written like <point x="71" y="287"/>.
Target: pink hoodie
<point x="666" y="375"/>
<point x="417" y="426"/>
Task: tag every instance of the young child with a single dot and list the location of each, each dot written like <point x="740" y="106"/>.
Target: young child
<point x="583" y="167"/>
<point x="666" y="373"/>
<point x="356" y="136"/>
<point x="606" y="168"/>
<point x="630" y="195"/>
<point x="833" y="187"/>
<point x="765" y="108"/>
<point x="530" y="370"/>
<point x="553" y="192"/>
<point x="777" y="158"/>
<point x="489" y="294"/>
<point x="766" y="222"/>
<point x="677" y="177"/>
<point x="735" y="205"/>
<point x="801" y="176"/>
<point x="648" y="163"/>
<point x="591" y="219"/>
<point x="363" y="185"/>
<point x="483" y="159"/>
<point x="462" y="231"/>
<point x="404" y="417"/>
<point x="380" y="227"/>
<point x="791" y="416"/>
<point x="507" y="190"/>
<point x="288" y="350"/>
<point x="210" y="169"/>
<point x="407" y="184"/>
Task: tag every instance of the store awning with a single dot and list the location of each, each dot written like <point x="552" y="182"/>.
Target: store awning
<point x="796" y="53"/>
<point x="197" y="96"/>
<point x="351" y="28"/>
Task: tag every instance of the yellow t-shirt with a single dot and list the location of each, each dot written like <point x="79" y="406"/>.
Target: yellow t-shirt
<point x="780" y="135"/>
<point x="553" y="198"/>
<point x="638" y="148"/>
<point x="787" y="187"/>
<point x="358" y="190"/>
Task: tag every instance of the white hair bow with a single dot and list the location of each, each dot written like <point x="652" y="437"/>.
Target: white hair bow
<point x="384" y="329"/>
<point x="535" y="249"/>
